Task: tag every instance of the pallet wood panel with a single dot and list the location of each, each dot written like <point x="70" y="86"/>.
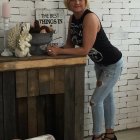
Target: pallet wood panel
<point x="44" y="81"/>
<point x="59" y="116"/>
<point x="59" y="80"/>
<point x="9" y="97"/>
<point x="79" y="100"/>
<point x="35" y="62"/>
<point x="21" y="83"/>
<point x="39" y="99"/>
<point x="52" y="77"/>
<point x="50" y="114"/>
<point x="41" y="116"/>
<point x="32" y="117"/>
<point x="74" y="107"/>
<point x="22" y="118"/>
<point x="1" y="110"/>
<point x="69" y="98"/>
<point x="33" y="87"/>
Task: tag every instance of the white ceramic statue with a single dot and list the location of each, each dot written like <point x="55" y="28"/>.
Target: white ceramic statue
<point x="23" y="46"/>
<point x="18" y="40"/>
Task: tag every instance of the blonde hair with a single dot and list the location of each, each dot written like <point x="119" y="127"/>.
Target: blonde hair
<point x="66" y="3"/>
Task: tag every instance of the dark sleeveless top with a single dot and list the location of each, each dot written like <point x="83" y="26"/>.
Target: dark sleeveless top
<point x="102" y="52"/>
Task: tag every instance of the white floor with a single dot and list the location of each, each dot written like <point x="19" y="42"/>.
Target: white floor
<point x="131" y="134"/>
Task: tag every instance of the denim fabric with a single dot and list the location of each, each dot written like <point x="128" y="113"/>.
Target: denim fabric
<point x="102" y="100"/>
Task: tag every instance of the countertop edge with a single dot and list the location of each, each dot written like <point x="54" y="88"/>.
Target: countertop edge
<point x="41" y="63"/>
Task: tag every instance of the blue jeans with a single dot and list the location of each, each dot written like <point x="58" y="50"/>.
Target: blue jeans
<point x="102" y="100"/>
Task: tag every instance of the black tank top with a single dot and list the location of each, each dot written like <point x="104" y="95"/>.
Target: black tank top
<point x="102" y="52"/>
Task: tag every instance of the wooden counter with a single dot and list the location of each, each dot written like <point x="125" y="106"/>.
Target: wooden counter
<point x="42" y="95"/>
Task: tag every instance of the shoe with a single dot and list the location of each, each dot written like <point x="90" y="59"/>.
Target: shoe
<point x="108" y="138"/>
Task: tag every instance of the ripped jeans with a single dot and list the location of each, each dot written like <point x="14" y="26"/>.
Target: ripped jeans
<point x="102" y="100"/>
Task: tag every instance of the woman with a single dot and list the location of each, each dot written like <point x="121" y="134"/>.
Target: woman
<point x="85" y="31"/>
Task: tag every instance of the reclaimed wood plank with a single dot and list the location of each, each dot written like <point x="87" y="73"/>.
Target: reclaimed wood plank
<point x="41" y="116"/>
<point x="9" y="96"/>
<point x="43" y="62"/>
<point x="22" y="118"/>
<point x="35" y="57"/>
<point x="50" y="114"/>
<point x="1" y="109"/>
<point x="44" y="81"/>
<point x="74" y="103"/>
<point x="79" y="102"/>
<point x="33" y="87"/>
<point x="59" y="116"/>
<point x="32" y="117"/>
<point x="51" y="104"/>
<point x="52" y="77"/>
<point x="21" y="83"/>
<point x="69" y="97"/>
<point x="59" y="80"/>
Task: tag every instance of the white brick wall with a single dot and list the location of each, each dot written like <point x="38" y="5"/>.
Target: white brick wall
<point x="121" y="21"/>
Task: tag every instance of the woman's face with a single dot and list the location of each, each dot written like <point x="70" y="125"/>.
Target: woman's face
<point x="77" y="6"/>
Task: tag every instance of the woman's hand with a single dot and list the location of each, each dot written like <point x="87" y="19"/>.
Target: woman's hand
<point x="53" y="50"/>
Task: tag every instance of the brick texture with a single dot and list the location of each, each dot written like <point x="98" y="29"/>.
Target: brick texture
<point x="121" y="21"/>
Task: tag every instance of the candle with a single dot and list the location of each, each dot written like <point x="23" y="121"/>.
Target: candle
<point x="5" y="10"/>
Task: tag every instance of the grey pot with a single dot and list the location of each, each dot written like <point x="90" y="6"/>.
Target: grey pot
<point x="39" y="39"/>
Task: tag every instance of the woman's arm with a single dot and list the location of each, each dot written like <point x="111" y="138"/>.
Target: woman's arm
<point x="68" y="41"/>
<point x="91" y="26"/>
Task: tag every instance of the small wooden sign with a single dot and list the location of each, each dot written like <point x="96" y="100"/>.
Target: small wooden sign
<point x="55" y="19"/>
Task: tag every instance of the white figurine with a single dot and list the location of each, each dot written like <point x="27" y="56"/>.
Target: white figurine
<point x="19" y="40"/>
<point x="23" y="46"/>
<point x="13" y="37"/>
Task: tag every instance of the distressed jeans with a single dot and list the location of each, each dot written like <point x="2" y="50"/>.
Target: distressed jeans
<point x="102" y="100"/>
